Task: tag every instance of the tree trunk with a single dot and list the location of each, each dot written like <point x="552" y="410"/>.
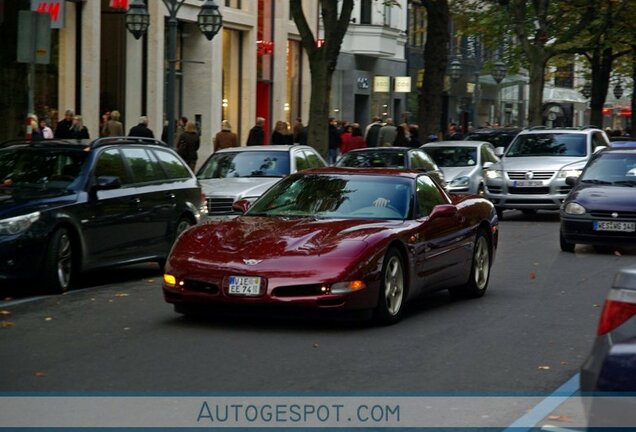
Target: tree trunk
<point x="435" y="61"/>
<point x="318" y="130"/>
<point x="537" y="83"/>
<point x="601" y="64"/>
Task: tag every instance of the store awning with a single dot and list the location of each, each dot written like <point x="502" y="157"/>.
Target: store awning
<point x="562" y="95"/>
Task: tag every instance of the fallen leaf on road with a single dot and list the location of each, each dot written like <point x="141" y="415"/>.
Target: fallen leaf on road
<point x="596" y="305"/>
<point x="126" y="328"/>
<point x="8" y="298"/>
<point x="151" y="281"/>
<point x="110" y="300"/>
<point x="92" y="299"/>
<point x="316" y="345"/>
<point x="5" y="312"/>
<point x="617" y="253"/>
<point x="48" y="319"/>
<point x="40" y="374"/>
<point x="535" y="264"/>
<point x="121" y="294"/>
<point x="7" y="324"/>
<point x="544" y="367"/>
<point x="564" y="363"/>
<point x="560" y="418"/>
<point x="533" y="275"/>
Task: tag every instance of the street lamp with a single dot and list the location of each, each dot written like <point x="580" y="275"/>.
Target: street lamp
<point x="498" y="73"/>
<point x="586" y="91"/>
<point x="455" y="69"/>
<point x="618" y="90"/>
<point x="209" y="21"/>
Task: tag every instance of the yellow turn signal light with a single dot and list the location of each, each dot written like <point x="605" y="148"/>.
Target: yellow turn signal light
<point x="169" y="279"/>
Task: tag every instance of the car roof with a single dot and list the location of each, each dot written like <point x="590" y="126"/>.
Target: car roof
<point x="382" y="172"/>
<point x="627" y="150"/>
<point x="541" y="129"/>
<point x="455" y="144"/>
<point x="83" y="144"/>
<point x="271" y="147"/>
<point x="488" y="131"/>
<point x="382" y="149"/>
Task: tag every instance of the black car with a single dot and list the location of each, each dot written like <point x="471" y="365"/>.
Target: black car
<point x="392" y="157"/>
<point x="498" y="137"/>
<point x="601" y="208"/>
<point x="69" y="206"/>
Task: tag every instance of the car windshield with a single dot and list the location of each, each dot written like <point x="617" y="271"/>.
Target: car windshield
<point x="246" y="164"/>
<point x="496" y="139"/>
<point x="453" y="156"/>
<point x="549" y="144"/>
<point x="337" y="196"/>
<point x="611" y="168"/>
<point x="374" y="159"/>
<point x="40" y="168"/>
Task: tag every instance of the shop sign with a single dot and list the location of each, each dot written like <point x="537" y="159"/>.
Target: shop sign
<point x="55" y="8"/>
<point x="381" y="84"/>
<point x="403" y="84"/>
<point x="119" y="4"/>
<point x="363" y="83"/>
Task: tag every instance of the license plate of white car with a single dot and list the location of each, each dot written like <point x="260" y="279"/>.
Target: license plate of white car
<point x="528" y="183"/>
<point x="614" y="226"/>
<point x="244" y="285"/>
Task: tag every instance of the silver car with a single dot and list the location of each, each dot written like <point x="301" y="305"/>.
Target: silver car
<point x="463" y="163"/>
<point x="239" y="173"/>
<point x="531" y="174"/>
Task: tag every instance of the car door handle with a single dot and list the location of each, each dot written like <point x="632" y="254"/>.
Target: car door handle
<point x="171" y="196"/>
<point x="135" y="200"/>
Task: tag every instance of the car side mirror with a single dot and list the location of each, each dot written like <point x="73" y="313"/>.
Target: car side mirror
<point x="443" y="211"/>
<point x="571" y="181"/>
<point x="499" y="151"/>
<point x="241" y="206"/>
<point x="487" y="165"/>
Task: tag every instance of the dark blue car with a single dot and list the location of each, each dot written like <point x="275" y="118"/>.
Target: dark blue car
<point x="67" y="207"/>
<point x="600" y="209"/>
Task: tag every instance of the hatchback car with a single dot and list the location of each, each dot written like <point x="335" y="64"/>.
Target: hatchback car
<point x="500" y="138"/>
<point x="463" y="163"/>
<point x="531" y="174"/>
<point x="67" y="207"/>
<point x="601" y="208"/>
<point x="393" y="157"/>
<point x="239" y="173"/>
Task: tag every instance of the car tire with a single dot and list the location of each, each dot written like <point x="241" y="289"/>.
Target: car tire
<point x="182" y="224"/>
<point x="566" y="246"/>
<point x="479" y="270"/>
<point x="392" y="295"/>
<point x="58" y="262"/>
<point x="499" y="211"/>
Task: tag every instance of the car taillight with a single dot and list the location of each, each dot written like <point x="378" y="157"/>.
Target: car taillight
<point x="620" y="304"/>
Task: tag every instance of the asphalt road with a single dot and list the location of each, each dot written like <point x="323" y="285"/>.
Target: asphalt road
<point x="530" y="333"/>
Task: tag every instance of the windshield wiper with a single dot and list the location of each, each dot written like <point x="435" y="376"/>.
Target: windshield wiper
<point x="630" y="183"/>
<point x="596" y="181"/>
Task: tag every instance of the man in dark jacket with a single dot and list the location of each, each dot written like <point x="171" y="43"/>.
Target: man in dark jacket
<point x="63" y="128"/>
<point x="142" y="129"/>
<point x="334" y="141"/>
<point x="257" y="133"/>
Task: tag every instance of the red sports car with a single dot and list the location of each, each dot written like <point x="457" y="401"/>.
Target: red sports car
<point x="338" y="238"/>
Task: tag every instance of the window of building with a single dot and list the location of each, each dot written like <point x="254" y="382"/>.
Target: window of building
<point x="365" y="11"/>
<point x="417" y="25"/>
<point x="236" y="4"/>
<point x="232" y="78"/>
<point x="294" y="80"/>
<point x="387" y="15"/>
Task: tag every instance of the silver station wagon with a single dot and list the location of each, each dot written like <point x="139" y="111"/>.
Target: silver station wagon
<point x="531" y="174"/>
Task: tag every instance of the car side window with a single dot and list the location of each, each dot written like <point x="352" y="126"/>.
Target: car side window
<point x="144" y="168"/>
<point x="313" y="160"/>
<point x="301" y="161"/>
<point x="489" y="152"/>
<point x="598" y="141"/>
<point x="428" y="196"/>
<point x="173" y="167"/>
<point x="110" y="163"/>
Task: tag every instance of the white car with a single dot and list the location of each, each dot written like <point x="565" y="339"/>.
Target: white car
<point x="239" y="173"/>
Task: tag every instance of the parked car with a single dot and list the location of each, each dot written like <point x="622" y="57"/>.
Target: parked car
<point x="531" y="174"/>
<point x="500" y="138"/>
<point x="610" y="370"/>
<point x="239" y="173"/>
<point x="66" y="207"/>
<point x="601" y="208"/>
<point x="392" y="157"/>
<point x="463" y="163"/>
<point x="337" y="239"/>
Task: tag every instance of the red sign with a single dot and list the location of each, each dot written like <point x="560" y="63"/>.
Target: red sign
<point x="55" y="8"/>
<point x="264" y="47"/>
<point x="119" y="4"/>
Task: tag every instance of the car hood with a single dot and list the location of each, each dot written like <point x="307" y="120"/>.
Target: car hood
<point x="537" y="163"/>
<point x="607" y="198"/>
<point x="451" y="173"/>
<point x="18" y="201"/>
<point x="240" y="187"/>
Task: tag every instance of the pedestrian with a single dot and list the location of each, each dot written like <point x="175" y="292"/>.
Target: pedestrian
<point x="372" y="132"/>
<point x="453" y="133"/>
<point x="282" y="134"/>
<point x="401" y="140"/>
<point x="354" y="140"/>
<point x="188" y="144"/>
<point x="47" y="132"/>
<point x="113" y="127"/>
<point x="142" y="129"/>
<point x="180" y="128"/>
<point x="257" y="133"/>
<point x="226" y="138"/>
<point x="36" y="133"/>
<point x="78" y="130"/>
<point x="414" y="131"/>
<point x="63" y="128"/>
<point x="300" y="132"/>
<point x="334" y="141"/>
<point x="387" y="134"/>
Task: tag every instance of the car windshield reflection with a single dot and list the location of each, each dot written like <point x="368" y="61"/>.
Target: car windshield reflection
<point x="373" y="159"/>
<point x="246" y="164"/>
<point x="332" y="196"/>
<point x="617" y="169"/>
<point x="549" y="144"/>
<point x="453" y="156"/>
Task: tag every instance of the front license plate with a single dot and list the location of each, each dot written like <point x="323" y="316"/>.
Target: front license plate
<point x="245" y="285"/>
<point x="614" y="226"/>
<point x="527" y="183"/>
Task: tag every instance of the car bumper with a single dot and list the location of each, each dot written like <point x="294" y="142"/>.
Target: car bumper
<point x="581" y="230"/>
<point x="503" y="194"/>
<point x="21" y="256"/>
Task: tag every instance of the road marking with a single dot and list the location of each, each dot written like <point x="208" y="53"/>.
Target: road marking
<point x="546" y="406"/>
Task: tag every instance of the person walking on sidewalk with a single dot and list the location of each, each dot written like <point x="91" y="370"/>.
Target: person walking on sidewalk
<point x="63" y="128"/>
<point x="188" y="144"/>
<point x="113" y="127"/>
<point x="142" y="129"/>
<point x="226" y="138"/>
<point x="257" y="133"/>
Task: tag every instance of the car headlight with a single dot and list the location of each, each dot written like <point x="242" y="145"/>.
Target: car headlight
<point x="462" y="181"/>
<point x="574" y="209"/>
<point x="494" y="174"/>
<point x="569" y="173"/>
<point x="18" y="224"/>
<point x="347" y="287"/>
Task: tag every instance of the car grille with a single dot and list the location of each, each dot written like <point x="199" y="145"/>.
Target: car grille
<point x="529" y="190"/>
<point x="563" y="190"/>
<point x="494" y="189"/>
<point x="608" y="214"/>
<point x="194" y="285"/>
<point x="298" y="291"/>
<point x="220" y="205"/>
<point x="536" y="175"/>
